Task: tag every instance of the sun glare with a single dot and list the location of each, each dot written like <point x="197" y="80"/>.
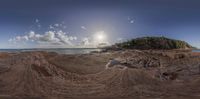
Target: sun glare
<point x="100" y="36"/>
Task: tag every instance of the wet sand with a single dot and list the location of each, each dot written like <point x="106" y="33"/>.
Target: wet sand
<point x="150" y="75"/>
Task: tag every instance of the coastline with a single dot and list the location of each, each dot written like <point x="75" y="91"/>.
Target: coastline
<point x="57" y="50"/>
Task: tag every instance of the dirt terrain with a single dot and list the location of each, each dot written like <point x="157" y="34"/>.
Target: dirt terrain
<point x="150" y="75"/>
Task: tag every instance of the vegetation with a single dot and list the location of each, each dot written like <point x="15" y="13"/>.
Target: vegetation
<point x="153" y="43"/>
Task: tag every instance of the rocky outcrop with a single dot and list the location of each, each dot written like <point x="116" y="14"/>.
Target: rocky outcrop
<point x="153" y="74"/>
<point x="147" y="43"/>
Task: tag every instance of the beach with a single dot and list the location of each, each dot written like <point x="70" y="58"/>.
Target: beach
<point x="149" y="74"/>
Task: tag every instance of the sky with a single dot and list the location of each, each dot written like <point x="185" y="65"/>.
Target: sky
<point x="88" y="23"/>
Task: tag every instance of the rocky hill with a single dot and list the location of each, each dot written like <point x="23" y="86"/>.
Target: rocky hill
<point x="146" y="43"/>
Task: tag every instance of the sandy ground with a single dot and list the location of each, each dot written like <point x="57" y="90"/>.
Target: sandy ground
<point x="150" y="75"/>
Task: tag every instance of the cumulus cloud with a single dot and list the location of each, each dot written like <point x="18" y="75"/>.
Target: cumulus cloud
<point x="85" y="41"/>
<point x="31" y="34"/>
<point x="19" y="38"/>
<point x="57" y="26"/>
<point x="49" y="37"/>
<point x="53" y="37"/>
<point x="65" y="38"/>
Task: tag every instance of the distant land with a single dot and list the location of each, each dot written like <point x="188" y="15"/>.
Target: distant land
<point x="146" y="43"/>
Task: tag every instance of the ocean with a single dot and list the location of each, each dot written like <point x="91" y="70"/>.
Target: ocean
<point x="57" y="50"/>
<point x="63" y="50"/>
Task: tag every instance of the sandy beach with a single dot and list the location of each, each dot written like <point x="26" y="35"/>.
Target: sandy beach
<point x="149" y="75"/>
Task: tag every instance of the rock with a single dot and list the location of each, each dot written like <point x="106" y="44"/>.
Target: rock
<point x="112" y="63"/>
<point x="131" y="73"/>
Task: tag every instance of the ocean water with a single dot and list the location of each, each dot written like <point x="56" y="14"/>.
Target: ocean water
<point x="63" y="50"/>
<point x="57" y="50"/>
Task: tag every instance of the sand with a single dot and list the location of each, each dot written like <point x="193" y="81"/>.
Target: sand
<point x="150" y="75"/>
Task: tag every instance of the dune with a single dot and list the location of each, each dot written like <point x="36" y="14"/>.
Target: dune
<point x="152" y="74"/>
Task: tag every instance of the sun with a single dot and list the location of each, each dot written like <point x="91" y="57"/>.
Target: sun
<point x="100" y="36"/>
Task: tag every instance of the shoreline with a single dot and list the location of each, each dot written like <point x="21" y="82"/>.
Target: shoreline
<point x="90" y="50"/>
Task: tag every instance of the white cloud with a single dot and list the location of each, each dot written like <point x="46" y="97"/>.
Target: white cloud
<point x="49" y="38"/>
<point x="85" y="41"/>
<point x="26" y="38"/>
<point x="57" y="26"/>
<point x="65" y="38"/>
<point x="21" y="38"/>
<point x="53" y="37"/>
<point x="31" y="34"/>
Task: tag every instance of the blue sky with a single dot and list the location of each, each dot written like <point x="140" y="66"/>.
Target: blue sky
<point x="79" y="23"/>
